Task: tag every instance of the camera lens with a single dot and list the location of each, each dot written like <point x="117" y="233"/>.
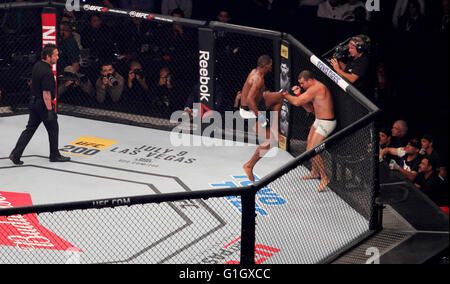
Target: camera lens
<point x="112" y="79"/>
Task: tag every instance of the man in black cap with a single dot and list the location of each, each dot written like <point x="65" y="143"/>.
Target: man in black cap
<point x="41" y="107"/>
<point x="409" y="158"/>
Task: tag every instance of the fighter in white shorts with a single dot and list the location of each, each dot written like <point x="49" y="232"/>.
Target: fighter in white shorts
<point x="318" y="99"/>
<point x="324" y="126"/>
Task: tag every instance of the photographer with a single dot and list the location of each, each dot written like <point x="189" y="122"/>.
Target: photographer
<point x="72" y="82"/>
<point x="109" y="82"/>
<point x="163" y="91"/>
<point x="352" y="62"/>
<point x="136" y="90"/>
<point x="136" y="78"/>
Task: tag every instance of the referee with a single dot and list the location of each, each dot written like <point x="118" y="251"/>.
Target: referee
<point x="41" y="108"/>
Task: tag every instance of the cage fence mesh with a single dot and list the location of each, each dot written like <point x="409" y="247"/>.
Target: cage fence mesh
<point x="20" y="44"/>
<point x="187" y="231"/>
<point x="313" y="225"/>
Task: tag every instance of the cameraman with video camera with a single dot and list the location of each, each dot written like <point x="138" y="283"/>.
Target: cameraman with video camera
<point x="352" y="62"/>
<point x="109" y="82"/>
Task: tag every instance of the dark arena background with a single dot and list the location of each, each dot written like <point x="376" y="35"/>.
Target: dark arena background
<point x="130" y="195"/>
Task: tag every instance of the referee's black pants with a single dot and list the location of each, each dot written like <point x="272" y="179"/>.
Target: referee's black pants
<point x="38" y="114"/>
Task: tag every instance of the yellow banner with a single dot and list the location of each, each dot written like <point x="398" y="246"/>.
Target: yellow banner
<point x="93" y="142"/>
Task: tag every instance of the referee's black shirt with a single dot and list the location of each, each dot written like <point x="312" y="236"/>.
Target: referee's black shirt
<point x="42" y="79"/>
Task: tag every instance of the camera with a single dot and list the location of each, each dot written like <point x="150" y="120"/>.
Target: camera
<point x="69" y="76"/>
<point x="112" y="79"/>
<point x="139" y="72"/>
<point x="341" y="52"/>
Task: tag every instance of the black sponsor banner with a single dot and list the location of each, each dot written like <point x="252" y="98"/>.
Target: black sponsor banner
<point x="206" y="64"/>
<point x="285" y="84"/>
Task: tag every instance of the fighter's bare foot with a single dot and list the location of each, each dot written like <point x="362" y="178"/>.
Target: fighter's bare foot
<point x="249" y="172"/>
<point x="323" y="184"/>
<point x="311" y="176"/>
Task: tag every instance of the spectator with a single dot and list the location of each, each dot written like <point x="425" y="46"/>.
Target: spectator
<point x="109" y="83"/>
<point x="385" y="138"/>
<point x="349" y="9"/>
<point x="137" y="36"/>
<point x="21" y="21"/>
<point x="104" y="3"/>
<point x="331" y="9"/>
<point x="429" y="183"/>
<point x="69" y="54"/>
<point x="361" y="24"/>
<point x="225" y="41"/>
<point x="224" y="16"/>
<point x="175" y="34"/>
<point x="144" y="5"/>
<point x="356" y="70"/>
<point x="70" y="20"/>
<point x="413" y="21"/>
<point x="401" y="7"/>
<point x="163" y="91"/>
<point x="399" y="134"/>
<point x="409" y="159"/>
<point x="357" y="12"/>
<point x="429" y="151"/>
<point x="168" y="6"/>
<point x="443" y="27"/>
<point x="309" y="2"/>
<point x="180" y="49"/>
<point x="177" y="29"/>
<point x="98" y="39"/>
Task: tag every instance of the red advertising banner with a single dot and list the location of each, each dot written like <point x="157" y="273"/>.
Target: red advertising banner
<point x="24" y="231"/>
<point x="49" y="37"/>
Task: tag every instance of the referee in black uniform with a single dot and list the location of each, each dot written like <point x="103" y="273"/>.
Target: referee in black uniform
<point x="41" y="107"/>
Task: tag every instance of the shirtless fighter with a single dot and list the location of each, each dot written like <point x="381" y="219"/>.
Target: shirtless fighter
<point x="316" y="98"/>
<point x="254" y="99"/>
